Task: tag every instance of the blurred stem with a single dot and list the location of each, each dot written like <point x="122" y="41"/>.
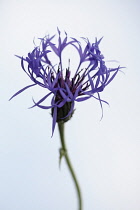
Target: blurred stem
<point x="63" y="152"/>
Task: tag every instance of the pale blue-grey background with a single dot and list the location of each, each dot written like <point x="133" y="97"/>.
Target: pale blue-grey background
<point x="105" y="154"/>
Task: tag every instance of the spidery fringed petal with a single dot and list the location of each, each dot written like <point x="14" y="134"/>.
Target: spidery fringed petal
<point x="64" y="89"/>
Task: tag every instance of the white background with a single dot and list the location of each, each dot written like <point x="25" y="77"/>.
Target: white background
<point x="105" y="154"/>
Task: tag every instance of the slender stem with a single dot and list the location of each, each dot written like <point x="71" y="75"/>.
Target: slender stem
<point x="63" y="152"/>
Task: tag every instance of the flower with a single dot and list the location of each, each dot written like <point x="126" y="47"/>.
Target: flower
<point x="65" y="89"/>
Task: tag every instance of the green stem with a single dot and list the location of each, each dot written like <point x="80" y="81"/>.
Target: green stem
<point x="63" y="152"/>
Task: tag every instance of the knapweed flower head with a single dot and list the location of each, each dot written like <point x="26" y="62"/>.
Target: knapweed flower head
<point x="64" y="88"/>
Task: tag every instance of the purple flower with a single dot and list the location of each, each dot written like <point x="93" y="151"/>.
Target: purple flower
<point x="63" y="88"/>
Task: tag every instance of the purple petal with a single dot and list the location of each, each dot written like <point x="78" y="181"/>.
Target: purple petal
<point x="54" y="48"/>
<point x="82" y="99"/>
<point x="54" y="119"/>
<point x="42" y="107"/>
<point x="61" y="103"/>
<point x="41" y="100"/>
<point x="77" y="91"/>
<point x="68" y="91"/>
<point x="91" y="82"/>
<point x="20" y="91"/>
<point x="112" y="77"/>
<point x="62" y="93"/>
